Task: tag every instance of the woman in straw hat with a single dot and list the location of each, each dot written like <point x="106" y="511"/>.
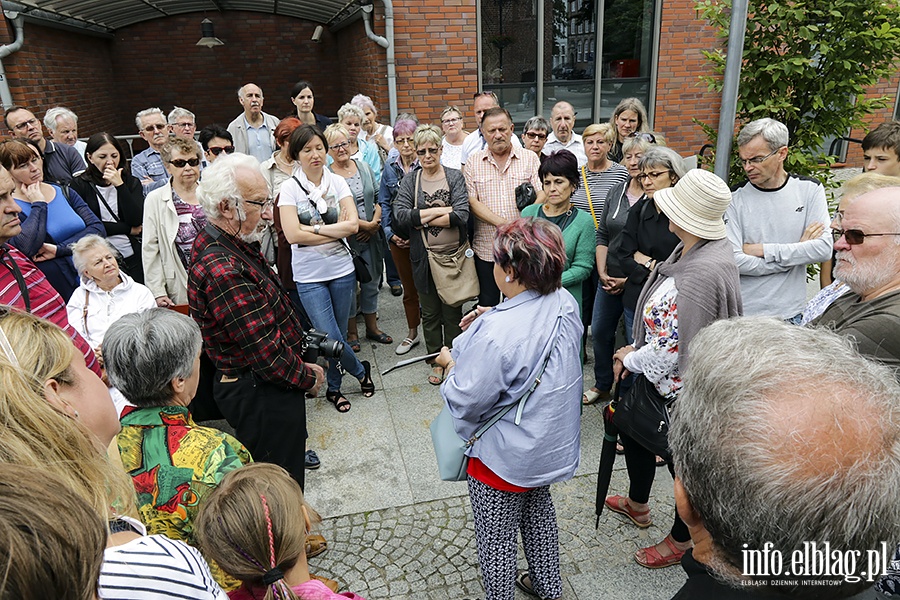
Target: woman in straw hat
<point x="695" y="286"/>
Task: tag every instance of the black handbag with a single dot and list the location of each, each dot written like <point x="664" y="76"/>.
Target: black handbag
<point x="363" y="275"/>
<point x="525" y="195"/>
<point x="643" y="415"/>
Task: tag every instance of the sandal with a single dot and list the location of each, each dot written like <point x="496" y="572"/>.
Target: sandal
<point x="619" y="504"/>
<point x="593" y="396"/>
<point x="381" y="338"/>
<point x="523" y="582"/>
<point x="366" y="384"/>
<point x="437" y="375"/>
<point x="354" y="345"/>
<point x="315" y="545"/>
<point x="654" y="560"/>
<point x="337" y="398"/>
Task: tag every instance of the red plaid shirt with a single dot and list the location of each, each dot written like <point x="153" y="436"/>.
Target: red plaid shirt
<point x="46" y="303"/>
<point x="247" y="319"/>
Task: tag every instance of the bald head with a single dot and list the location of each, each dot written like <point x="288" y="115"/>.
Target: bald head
<point x="562" y="119"/>
<point x="251" y="98"/>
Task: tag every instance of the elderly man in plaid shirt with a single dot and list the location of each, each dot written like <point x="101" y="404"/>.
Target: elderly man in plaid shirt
<point x="250" y="328"/>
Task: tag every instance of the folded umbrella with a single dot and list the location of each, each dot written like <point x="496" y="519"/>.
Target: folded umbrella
<point x="607" y="453"/>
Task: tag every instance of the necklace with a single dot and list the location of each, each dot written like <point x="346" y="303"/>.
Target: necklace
<point x="567" y="212"/>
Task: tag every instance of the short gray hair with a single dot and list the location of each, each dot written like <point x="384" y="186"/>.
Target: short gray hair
<point x="778" y="424"/>
<point x="537" y="123"/>
<point x="178" y="112"/>
<point x="144" y="352"/>
<point x="364" y="102"/>
<point x="775" y="133"/>
<point x="85" y="245"/>
<point x="146" y="113"/>
<point x="55" y="113"/>
<point x="661" y="156"/>
<point x="350" y="110"/>
<point x="219" y="182"/>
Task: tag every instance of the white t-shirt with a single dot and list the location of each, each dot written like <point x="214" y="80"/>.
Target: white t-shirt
<point x="327" y="261"/>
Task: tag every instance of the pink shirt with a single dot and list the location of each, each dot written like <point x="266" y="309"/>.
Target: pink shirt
<point x="311" y="590"/>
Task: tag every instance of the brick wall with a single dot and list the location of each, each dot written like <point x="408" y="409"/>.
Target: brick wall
<point x="364" y="65"/>
<point x="56" y="67"/>
<point x="885" y="88"/>
<point x="680" y="96"/>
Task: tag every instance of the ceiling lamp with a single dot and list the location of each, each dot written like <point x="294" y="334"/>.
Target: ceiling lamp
<point x="208" y="38"/>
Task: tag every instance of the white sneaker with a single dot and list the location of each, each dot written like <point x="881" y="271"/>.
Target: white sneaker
<point x="406" y="345"/>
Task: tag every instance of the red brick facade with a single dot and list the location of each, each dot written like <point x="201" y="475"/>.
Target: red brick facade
<point x="156" y="63"/>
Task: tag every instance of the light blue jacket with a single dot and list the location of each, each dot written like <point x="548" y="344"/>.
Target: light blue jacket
<point x="496" y="360"/>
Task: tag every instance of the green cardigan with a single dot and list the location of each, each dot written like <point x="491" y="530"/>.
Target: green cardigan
<point x="579" y="237"/>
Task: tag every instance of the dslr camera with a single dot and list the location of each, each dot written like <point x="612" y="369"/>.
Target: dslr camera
<point x="316" y="344"/>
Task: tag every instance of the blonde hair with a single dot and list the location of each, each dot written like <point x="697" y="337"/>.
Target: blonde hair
<point x="605" y="129"/>
<point x="868" y="182"/>
<point x="334" y="130"/>
<point x="252" y="523"/>
<point x="180" y="144"/>
<point x="427" y="133"/>
<point x="51" y="540"/>
<point x="37" y="435"/>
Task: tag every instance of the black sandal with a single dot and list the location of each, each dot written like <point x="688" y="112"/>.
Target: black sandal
<point x="337" y="398"/>
<point x="366" y="384"/>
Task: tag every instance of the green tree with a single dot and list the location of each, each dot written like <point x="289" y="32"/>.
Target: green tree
<point x="807" y="63"/>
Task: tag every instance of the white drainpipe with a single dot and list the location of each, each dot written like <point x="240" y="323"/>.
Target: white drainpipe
<point x="18" y="21"/>
<point x="388" y="44"/>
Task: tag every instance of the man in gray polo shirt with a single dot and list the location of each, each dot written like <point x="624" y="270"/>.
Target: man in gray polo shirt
<point x="767" y="223"/>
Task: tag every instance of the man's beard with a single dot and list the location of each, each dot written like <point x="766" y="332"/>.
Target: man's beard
<point x="257" y="234"/>
<point x="871" y="274"/>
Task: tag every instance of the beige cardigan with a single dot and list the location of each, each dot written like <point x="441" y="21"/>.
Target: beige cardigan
<point x="163" y="272"/>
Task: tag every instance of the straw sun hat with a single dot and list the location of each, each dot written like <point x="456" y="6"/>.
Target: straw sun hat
<point x="696" y="204"/>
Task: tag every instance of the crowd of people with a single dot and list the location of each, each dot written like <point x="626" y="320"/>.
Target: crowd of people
<point x="134" y="297"/>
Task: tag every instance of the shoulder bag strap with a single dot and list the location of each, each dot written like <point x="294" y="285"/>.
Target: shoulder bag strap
<point x="587" y="190"/>
<point x="84" y="312"/>
<point x="294" y="177"/>
<point x="536" y="382"/>
<point x="10" y="263"/>
<point x="108" y="207"/>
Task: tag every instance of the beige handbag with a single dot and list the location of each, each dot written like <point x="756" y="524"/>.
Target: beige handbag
<point x="453" y="274"/>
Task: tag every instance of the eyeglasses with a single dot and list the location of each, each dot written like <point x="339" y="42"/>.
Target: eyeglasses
<point x="217" y="150"/>
<point x="450" y="121"/>
<point x="152" y="128"/>
<point x="263" y="206"/>
<point x="855" y="237"/>
<point x="340" y="146"/>
<point x="181" y="163"/>
<point x="644" y="136"/>
<point x="756" y="160"/>
<point x="652" y="175"/>
<point x="535" y="136"/>
<point x="402" y="141"/>
<point x="424" y="151"/>
<point x="26" y="124"/>
<point x="183" y="125"/>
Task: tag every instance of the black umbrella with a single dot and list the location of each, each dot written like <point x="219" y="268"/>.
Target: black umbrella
<point x="607" y="453"/>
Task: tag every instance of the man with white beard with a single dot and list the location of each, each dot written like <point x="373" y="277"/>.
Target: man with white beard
<point x="251" y="331"/>
<point x="867" y="259"/>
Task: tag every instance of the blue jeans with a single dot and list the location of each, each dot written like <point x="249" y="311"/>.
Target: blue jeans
<point x="604" y="322"/>
<point x="328" y="305"/>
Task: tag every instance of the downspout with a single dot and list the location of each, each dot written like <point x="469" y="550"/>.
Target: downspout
<point x="387" y="43"/>
<point x="18" y="21"/>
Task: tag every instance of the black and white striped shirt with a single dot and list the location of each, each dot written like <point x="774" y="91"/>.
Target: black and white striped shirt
<point x="155" y="567"/>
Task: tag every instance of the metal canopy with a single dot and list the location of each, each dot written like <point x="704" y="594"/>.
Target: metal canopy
<point x="110" y="15"/>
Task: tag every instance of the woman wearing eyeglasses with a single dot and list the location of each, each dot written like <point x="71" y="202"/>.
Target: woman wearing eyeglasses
<point x="116" y="197"/>
<point x="646" y="238"/>
<point x="534" y="135"/>
<point x="628" y="118"/>
<point x="432" y="210"/>
<point x="454" y="136"/>
<point x="396" y="169"/>
<point x="369" y="240"/>
<point x="317" y="212"/>
<point x="172" y="219"/>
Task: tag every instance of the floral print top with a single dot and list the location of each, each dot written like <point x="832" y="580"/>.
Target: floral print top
<point x="657" y="359"/>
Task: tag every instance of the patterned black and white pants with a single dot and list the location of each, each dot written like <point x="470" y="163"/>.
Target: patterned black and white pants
<point x="498" y="515"/>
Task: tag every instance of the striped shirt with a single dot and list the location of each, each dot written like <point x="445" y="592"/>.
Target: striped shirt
<point x="155" y="567"/>
<point x="599" y="183"/>
<point x="46" y="303"/>
<point x="495" y="188"/>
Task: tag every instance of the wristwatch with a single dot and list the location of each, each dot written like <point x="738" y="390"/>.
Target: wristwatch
<point x="646" y="264"/>
<point x="316" y="228"/>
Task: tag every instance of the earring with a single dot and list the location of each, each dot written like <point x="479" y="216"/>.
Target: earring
<point x="508" y="279"/>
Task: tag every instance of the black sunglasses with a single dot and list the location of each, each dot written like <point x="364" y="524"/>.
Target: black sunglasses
<point x="423" y="151"/>
<point x="217" y="150"/>
<point x="855" y="237"/>
<point x="180" y="163"/>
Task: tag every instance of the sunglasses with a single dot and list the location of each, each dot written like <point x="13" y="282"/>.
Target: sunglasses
<point x="217" y="150"/>
<point x="535" y="136"/>
<point x="643" y="136"/>
<point x="181" y="163"/>
<point x="424" y="151"/>
<point x="151" y="128"/>
<point x="855" y="237"/>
